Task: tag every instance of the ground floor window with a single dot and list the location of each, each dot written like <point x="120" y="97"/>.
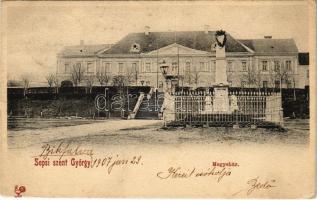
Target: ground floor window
<point x="277" y="84"/>
<point x="243" y="84"/>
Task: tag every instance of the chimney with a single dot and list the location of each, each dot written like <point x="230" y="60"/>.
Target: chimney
<point x="81" y="42"/>
<point x="206" y="28"/>
<point x="146" y="30"/>
<point x="268" y="37"/>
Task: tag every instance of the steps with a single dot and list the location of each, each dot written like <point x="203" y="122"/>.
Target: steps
<point x="150" y="106"/>
<point x="137" y="106"/>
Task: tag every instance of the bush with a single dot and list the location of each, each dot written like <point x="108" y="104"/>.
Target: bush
<point x="66" y="83"/>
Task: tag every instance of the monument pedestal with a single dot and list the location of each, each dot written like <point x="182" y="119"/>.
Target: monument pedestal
<point x="221" y="99"/>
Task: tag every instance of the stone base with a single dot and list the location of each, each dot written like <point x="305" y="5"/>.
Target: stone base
<point x="221" y="100"/>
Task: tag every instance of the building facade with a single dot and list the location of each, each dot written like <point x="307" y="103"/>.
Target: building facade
<point x="264" y="62"/>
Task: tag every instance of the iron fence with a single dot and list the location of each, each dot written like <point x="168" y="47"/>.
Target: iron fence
<point x="245" y="109"/>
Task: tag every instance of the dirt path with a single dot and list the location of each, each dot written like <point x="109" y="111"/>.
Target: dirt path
<point x="27" y="138"/>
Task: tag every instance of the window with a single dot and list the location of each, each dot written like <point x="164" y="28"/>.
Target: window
<point x="277" y="84"/>
<point x="67" y="68"/>
<point x="265" y="84"/>
<point x="202" y="67"/>
<point x="277" y="66"/>
<point x="213" y="66"/>
<point x="264" y="65"/>
<point x="78" y="65"/>
<point x="230" y="83"/>
<point x="174" y="67"/>
<point x="244" y="66"/>
<point x="160" y="84"/>
<point x="90" y="68"/>
<point x="288" y="64"/>
<point x="120" y="68"/>
<point x="187" y="67"/>
<point x="208" y="66"/>
<point x="289" y="84"/>
<point x="148" y="67"/>
<point x="102" y="68"/>
<point x="134" y="67"/>
<point x="243" y="84"/>
<point x="107" y="68"/>
<point x="229" y="66"/>
<point x="148" y="83"/>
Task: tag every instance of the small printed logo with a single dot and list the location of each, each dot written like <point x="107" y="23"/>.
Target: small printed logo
<point x="18" y="190"/>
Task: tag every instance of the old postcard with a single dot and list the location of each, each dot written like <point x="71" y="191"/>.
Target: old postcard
<point x="147" y="99"/>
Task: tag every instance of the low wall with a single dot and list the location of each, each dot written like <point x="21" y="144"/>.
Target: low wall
<point x="73" y="101"/>
<point x="70" y="101"/>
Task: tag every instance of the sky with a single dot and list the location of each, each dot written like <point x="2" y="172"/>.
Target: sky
<point x="37" y="31"/>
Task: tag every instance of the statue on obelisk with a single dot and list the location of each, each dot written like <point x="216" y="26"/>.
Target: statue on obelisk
<point x="221" y="96"/>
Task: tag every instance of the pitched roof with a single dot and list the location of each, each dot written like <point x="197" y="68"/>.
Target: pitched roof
<point x="198" y="40"/>
<point x="303" y="58"/>
<point x="271" y="45"/>
<point x="83" y="50"/>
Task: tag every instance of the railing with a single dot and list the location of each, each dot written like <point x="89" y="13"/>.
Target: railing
<point x="245" y="109"/>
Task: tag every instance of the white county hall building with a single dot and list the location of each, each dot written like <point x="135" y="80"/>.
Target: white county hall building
<point x="266" y="62"/>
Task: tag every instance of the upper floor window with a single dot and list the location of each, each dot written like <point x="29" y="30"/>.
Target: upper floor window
<point x="288" y="65"/>
<point x="244" y="66"/>
<point x="67" y="68"/>
<point x="264" y="65"/>
<point x="202" y="67"/>
<point x="120" y="68"/>
<point x="277" y="66"/>
<point x="148" y="67"/>
<point x="90" y="68"/>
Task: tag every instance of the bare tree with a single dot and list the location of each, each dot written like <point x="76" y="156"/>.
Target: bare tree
<point x="119" y="80"/>
<point x="103" y="78"/>
<point x="250" y="77"/>
<point x="90" y="82"/>
<point x="188" y="77"/>
<point x="50" y="79"/>
<point x="13" y="83"/>
<point x="77" y="74"/>
<point x="131" y="76"/>
<point x="56" y="83"/>
<point x="26" y="82"/>
<point x="196" y="76"/>
<point x="282" y="75"/>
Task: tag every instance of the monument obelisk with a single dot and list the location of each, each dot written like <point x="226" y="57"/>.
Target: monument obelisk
<point x="221" y="96"/>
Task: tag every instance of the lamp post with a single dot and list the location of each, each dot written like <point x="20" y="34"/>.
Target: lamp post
<point x="171" y="80"/>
